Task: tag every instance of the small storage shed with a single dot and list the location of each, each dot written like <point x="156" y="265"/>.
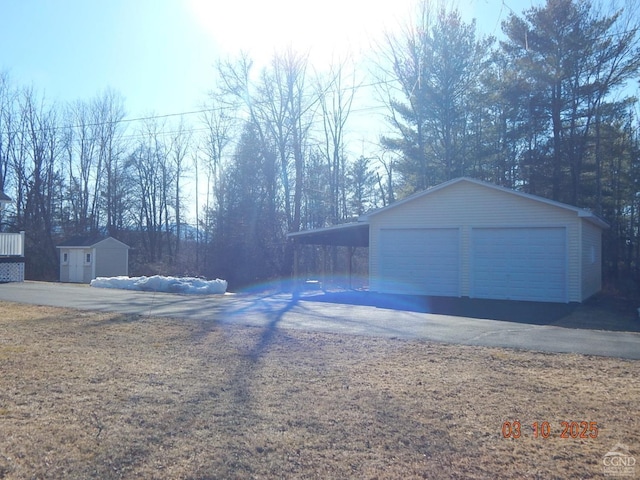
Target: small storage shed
<point x="84" y="258"/>
<point x="468" y="238"/>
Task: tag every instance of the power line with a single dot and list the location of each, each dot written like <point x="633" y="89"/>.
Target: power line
<point x="187" y="113"/>
<point x="503" y="5"/>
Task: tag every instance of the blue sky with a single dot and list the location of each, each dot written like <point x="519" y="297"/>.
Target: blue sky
<point x="150" y="51"/>
<point x="159" y="54"/>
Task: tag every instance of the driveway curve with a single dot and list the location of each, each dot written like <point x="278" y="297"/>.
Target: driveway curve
<point x="308" y="313"/>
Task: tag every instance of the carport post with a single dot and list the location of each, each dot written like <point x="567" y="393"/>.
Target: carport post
<point x="350" y="253"/>
<point x="324" y="267"/>
<point x="295" y="279"/>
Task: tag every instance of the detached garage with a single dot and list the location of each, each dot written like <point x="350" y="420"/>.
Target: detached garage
<point x="470" y="238"/>
<point x="84" y="258"/>
<point x="467" y="238"/>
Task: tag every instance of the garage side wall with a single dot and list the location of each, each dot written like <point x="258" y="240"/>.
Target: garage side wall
<point x="591" y="259"/>
<point x="466" y="206"/>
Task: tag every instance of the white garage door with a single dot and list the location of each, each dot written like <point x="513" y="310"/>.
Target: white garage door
<point x="519" y="264"/>
<point x="420" y="261"/>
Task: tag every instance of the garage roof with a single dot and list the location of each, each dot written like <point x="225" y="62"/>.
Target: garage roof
<point x="581" y="212"/>
<point x="356" y="234"/>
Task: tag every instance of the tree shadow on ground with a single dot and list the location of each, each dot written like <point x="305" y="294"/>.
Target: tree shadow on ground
<point x="597" y="313"/>
<point x="274" y="316"/>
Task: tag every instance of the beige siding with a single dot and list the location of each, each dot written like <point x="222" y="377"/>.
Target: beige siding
<point x="64" y="268"/>
<point x="112" y="258"/>
<point x="76" y="257"/>
<point x="591" y="260"/>
<point x="87" y="270"/>
<point x="468" y="205"/>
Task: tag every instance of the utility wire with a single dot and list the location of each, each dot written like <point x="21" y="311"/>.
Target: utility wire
<point x="376" y="83"/>
<point x="189" y="113"/>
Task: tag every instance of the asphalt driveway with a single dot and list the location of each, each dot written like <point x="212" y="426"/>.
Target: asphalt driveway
<point x="337" y="315"/>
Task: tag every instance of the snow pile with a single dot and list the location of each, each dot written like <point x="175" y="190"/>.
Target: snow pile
<point x="159" y="283"/>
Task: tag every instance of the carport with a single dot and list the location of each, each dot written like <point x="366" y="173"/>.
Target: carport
<point x="349" y="235"/>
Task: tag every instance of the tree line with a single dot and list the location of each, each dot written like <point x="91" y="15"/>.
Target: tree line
<point x="545" y="110"/>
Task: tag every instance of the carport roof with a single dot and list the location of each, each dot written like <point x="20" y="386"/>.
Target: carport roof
<point x="354" y="234"/>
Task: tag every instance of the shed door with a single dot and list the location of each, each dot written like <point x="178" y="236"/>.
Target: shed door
<point x="519" y="264"/>
<point x="420" y="261"/>
<point x="76" y="265"/>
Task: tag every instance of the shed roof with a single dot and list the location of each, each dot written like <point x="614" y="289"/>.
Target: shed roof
<point x="4" y="197"/>
<point x="581" y="212"/>
<point x="81" y="241"/>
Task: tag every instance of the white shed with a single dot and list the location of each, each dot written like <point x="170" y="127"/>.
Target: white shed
<point x="84" y="258"/>
<point x="468" y="238"/>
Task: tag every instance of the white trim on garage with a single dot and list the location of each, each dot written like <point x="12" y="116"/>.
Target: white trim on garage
<point x="519" y="263"/>
<point x="420" y="261"/>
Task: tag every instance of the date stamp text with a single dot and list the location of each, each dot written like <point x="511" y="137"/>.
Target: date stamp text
<point x="564" y="429"/>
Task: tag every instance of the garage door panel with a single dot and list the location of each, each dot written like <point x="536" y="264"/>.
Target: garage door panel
<point x="420" y="261"/>
<point x="519" y="263"/>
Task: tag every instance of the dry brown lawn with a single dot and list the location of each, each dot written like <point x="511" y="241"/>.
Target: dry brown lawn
<point x="98" y="395"/>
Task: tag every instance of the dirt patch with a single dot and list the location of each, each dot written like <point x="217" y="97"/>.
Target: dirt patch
<point x="96" y="395"/>
<point x="605" y="312"/>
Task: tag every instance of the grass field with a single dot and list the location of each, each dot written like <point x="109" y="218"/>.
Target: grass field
<point x="98" y="395"/>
